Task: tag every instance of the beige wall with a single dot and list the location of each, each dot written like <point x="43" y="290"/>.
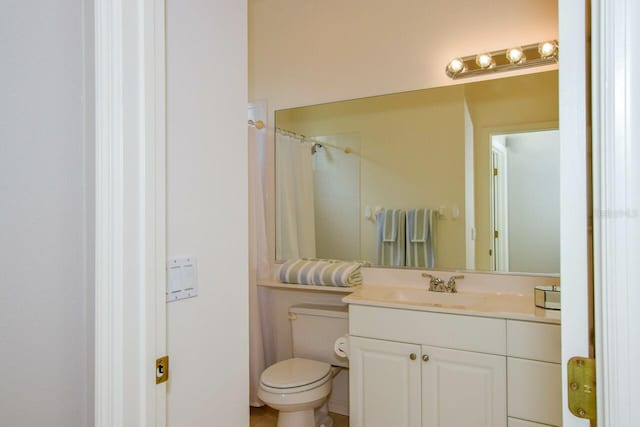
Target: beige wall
<point x="308" y="52"/>
<point x="496" y="106"/>
<point x="411" y="155"/>
<point x="207" y="211"/>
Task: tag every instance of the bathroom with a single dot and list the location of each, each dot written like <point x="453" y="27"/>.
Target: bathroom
<point x="342" y="53"/>
<point x="125" y="142"/>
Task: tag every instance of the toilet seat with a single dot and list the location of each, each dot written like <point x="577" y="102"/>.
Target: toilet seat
<point x="295" y="376"/>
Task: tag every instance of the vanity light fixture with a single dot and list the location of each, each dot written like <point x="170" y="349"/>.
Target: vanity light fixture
<point x="485" y="60"/>
<point x="548" y="49"/>
<point x="456" y="66"/>
<point x="516" y="57"/>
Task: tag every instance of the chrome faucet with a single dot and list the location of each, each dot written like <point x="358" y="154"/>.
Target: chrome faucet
<point x="436" y="284"/>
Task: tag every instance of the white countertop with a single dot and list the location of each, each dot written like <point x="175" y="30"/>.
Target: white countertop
<point x="495" y="304"/>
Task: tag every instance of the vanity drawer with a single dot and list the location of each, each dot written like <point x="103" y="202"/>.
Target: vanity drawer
<point x="529" y="340"/>
<point x="481" y="334"/>
<point x="534" y="391"/>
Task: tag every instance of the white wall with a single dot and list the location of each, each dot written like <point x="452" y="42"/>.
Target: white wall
<point x="533" y="197"/>
<point x="46" y="214"/>
<point x="207" y="210"/>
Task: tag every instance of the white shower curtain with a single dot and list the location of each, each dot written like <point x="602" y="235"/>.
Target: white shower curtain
<point x="259" y="260"/>
<point x="295" y="214"/>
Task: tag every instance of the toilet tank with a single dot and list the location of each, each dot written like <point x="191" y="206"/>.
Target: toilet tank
<point x="314" y="330"/>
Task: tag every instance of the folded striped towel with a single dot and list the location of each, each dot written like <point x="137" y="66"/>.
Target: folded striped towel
<point x="321" y="272"/>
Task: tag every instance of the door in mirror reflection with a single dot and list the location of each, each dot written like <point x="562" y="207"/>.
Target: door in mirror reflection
<point x="525" y="174"/>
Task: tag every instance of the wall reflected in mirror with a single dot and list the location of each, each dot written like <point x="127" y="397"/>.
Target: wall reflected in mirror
<point x="471" y="164"/>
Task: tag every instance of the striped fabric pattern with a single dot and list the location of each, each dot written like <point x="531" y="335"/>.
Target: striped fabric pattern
<point x="421" y="238"/>
<point x="321" y="272"/>
<point x="391" y="252"/>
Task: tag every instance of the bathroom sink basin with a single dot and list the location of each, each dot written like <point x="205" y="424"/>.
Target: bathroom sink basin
<point x="425" y="297"/>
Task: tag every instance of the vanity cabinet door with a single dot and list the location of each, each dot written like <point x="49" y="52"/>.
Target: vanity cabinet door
<point x="463" y="389"/>
<point x="384" y="383"/>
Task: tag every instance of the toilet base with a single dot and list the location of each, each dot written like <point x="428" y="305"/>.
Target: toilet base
<point x="297" y="419"/>
<point x="307" y="418"/>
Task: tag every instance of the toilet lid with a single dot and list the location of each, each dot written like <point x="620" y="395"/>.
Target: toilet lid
<point x="294" y="372"/>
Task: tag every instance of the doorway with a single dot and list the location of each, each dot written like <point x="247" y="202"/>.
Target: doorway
<point x="525" y="200"/>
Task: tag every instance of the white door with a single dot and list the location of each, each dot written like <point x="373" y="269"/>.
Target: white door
<point x="499" y="204"/>
<point x="384" y="383"/>
<point x="463" y="389"/>
<point x="574" y="199"/>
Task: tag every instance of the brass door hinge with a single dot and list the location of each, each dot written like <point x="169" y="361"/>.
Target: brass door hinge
<point x="495" y="234"/>
<point x="581" y="375"/>
<point x="495" y="171"/>
<point x="162" y="369"/>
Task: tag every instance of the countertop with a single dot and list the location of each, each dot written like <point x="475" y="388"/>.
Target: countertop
<point x="495" y="305"/>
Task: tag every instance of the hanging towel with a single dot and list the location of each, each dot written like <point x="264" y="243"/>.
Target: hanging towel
<point x="321" y="272"/>
<point x="391" y="237"/>
<point x="418" y="219"/>
<point x="390" y="225"/>
<point x="421" y="238"/>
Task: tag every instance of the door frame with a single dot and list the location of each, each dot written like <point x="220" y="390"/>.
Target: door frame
<point x="130" y="174"/>
<point x="615" y="54"/>
<point x="616" y="209"/>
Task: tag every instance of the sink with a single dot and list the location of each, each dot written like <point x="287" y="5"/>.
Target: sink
<point x="425" y="297"/>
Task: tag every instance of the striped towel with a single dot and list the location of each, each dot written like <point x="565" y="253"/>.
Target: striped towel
<point x="321" y="272"/>
<point x="391" y="237"/>
<point x="421" y="238"/>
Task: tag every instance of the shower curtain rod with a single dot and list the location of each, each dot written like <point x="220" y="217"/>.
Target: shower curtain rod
<point x="259" y="124"/>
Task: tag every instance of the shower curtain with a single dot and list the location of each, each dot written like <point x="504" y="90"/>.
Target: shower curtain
<point x="295" y="213"/>
<point x="259" y="260"/>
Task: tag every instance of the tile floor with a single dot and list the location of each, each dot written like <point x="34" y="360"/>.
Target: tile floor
<point x="267" y="417"/>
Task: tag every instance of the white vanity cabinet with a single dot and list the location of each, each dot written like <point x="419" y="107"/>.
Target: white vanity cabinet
<point x="407" y="385"/>
<point x="384" y="383"/>
<point x="418" y="368"/>
<point x="462" y="388"/>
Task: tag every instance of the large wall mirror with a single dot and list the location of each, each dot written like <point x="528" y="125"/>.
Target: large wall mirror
<point x="462" y="177"/>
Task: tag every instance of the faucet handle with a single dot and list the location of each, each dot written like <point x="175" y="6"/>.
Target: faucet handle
<point x="451" y="283"/>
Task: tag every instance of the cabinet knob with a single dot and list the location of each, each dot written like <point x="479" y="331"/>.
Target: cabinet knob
<point x="412" y="356"/>
<point x="425" y="358"/>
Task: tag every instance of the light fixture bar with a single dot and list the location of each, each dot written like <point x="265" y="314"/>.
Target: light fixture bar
<point x="513" y="58"/>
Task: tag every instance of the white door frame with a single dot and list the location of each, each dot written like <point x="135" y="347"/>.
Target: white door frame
<point x="130" y="211"/>
<point x="616" y="178"/>
<point x="574" y="247"/>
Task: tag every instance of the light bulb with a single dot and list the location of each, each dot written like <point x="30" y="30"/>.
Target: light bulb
<point x="547" y="49"/>
<point x="484" y="60"/>
<point x="455" y="66"/>
<point x="515" y="55"/>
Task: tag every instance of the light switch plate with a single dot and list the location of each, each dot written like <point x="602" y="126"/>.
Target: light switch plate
<point x="182" y="278"/>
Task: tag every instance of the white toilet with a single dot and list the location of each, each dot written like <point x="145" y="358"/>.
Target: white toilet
<point x="298" y="388"/>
